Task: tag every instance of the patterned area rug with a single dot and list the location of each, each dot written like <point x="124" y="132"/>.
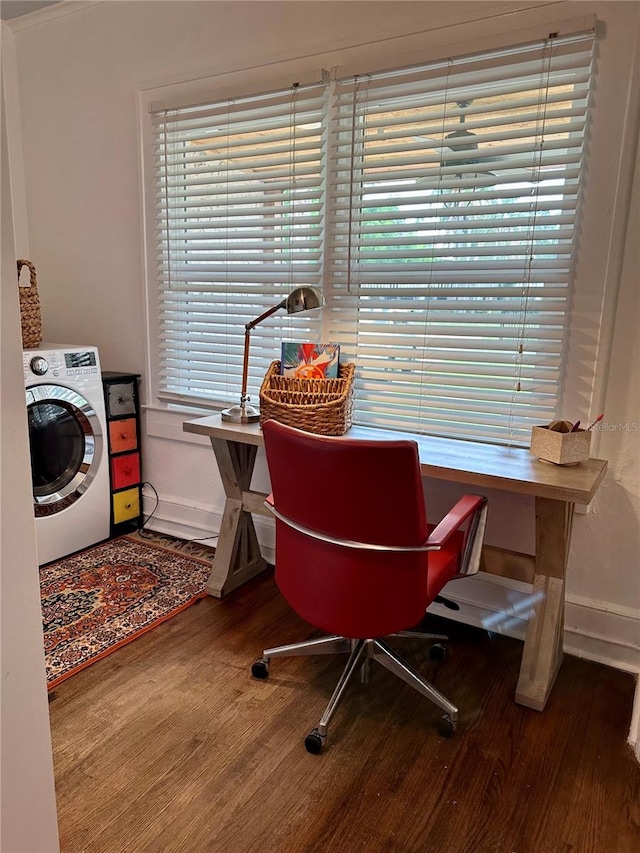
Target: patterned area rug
<point x="96" y="601"/>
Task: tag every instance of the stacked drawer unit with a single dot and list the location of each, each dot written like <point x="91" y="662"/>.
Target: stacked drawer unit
<point x="123" y="425"/>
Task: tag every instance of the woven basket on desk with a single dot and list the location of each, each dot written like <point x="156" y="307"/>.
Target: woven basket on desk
<point x="321" y="406"/>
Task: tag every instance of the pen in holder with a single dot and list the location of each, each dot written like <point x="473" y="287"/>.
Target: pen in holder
<point x="559" y="442"/>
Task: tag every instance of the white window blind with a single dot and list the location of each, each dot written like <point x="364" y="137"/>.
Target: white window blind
<point x="435" y="205"/>
<point x="454" y="197"/>
<point x="239" y="214"/>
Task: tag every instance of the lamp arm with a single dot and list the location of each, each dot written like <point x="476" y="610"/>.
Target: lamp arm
<point x="264" y="316"/>
<point x="247" y="335"/>
<point x="245" y="364"/>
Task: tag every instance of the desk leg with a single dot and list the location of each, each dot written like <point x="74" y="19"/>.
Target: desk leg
<point x="237" y="557"/>
<point x="542" y="653"/>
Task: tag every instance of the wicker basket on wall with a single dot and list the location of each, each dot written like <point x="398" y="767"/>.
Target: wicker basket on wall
<point x="322" y="406"/>
<point x="30" y="316"/>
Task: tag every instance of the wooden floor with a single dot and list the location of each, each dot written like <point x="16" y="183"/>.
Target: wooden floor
<point x="169" y="746"/>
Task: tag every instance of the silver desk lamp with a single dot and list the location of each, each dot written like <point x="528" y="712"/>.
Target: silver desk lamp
<point x="300" y="299"/>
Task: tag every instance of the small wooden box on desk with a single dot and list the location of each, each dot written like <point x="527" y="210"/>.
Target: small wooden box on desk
<point x="123" y="426"/>
<point x="558" y="443"/>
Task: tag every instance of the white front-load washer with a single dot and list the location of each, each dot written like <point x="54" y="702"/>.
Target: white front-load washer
<point x="68" y="443"/>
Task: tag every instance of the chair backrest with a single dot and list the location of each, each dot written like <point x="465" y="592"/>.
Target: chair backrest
<point x="363" y="491"/>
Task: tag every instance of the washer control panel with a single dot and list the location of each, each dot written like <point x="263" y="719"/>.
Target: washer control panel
<point x="71" y="364"/>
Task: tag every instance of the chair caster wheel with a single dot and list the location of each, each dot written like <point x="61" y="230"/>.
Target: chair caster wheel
<point x="446" y="726"/>
<point x="439" y="652"/>
<point x="260" y="668"/>
<point x="314" y="742"/>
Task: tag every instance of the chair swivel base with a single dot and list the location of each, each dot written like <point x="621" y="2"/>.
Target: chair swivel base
<point x="361" y="653"/>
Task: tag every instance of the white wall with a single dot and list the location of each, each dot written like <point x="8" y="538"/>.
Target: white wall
<point x="79" y="76"/>
<point x="27" y="798"/>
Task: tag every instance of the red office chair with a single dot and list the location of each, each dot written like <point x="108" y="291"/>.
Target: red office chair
<point x="354" y="554"/>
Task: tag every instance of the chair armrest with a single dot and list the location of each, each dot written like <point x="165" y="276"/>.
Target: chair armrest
<point x="474" y="508"/>
<point x="470" y="506"/>
<point x="456" y="517"/>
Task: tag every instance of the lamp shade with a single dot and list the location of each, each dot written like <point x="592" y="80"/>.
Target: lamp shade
<point x="303" y="299"/>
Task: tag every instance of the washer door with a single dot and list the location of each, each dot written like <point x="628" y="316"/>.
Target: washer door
<point x="66" y="445"/>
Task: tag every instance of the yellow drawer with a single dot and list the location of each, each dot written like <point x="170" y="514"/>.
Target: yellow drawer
<point x="126" y="505"/>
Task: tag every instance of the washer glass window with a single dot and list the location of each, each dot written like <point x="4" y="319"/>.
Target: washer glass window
<point x="62" y="433"/>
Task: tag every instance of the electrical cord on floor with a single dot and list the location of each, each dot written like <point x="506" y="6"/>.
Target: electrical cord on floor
<point x="204" y="538"/>
<point x="145" y="521"/>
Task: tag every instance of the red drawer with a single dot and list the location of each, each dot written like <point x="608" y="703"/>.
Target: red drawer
<point x="125" y="470"/>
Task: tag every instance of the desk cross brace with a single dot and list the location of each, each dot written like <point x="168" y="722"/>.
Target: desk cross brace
<point x="237" y="557"/>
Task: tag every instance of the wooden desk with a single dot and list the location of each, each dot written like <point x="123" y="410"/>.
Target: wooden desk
<point x="555" y="489"/>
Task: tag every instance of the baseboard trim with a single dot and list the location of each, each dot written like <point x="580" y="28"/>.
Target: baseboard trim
<point x="175" y="518"/>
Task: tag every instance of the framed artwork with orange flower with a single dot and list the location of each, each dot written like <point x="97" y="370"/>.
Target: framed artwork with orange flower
<point x="309" y="361"/>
